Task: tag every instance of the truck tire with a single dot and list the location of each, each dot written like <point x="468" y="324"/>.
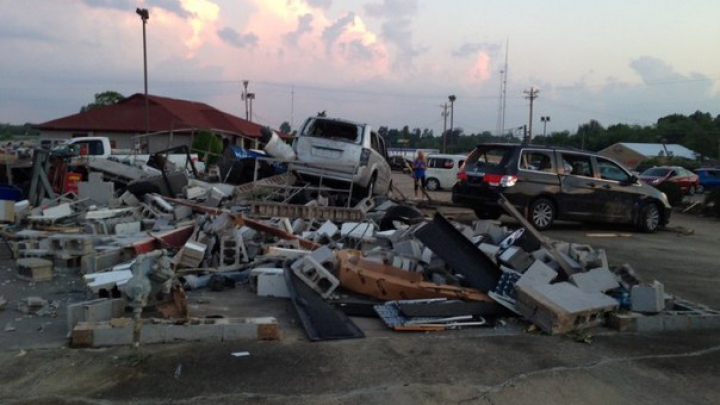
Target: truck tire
<point x="398" y="216"/>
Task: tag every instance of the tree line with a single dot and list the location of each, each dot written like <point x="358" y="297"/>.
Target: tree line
<point x="699" y="132"/>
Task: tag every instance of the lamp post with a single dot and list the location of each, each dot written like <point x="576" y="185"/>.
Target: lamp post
<point x="452" y="111"/>
<point x="245" y="98"/>
<point x="544" y="120"/>
<point x="250" y="98"/>
<point x="144" y="16"/>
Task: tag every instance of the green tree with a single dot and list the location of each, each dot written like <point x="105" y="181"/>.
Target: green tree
<point x="103" y="99"/>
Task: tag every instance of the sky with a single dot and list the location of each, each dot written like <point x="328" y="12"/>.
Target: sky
<point x="383" y="62"/>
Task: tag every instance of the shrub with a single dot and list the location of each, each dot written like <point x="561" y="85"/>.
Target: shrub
<point x="672" y="191"/>
<point x="210" y="144"/>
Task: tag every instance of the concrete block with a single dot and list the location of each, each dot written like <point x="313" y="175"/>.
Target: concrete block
<point x="595" y="280"/>
<point x="316" y="276"/>
<point x="269" y="282"/>
<point x="263" y="328"/>
<point x="357" y="230"/>
<point x="35" y="269"/>
<point x="99" y="310"/>
<point x="104" y="334"/>
<point x="515" y="258"/>
<point x="328" y="230"/>
<point x="206" y="330"/>
<point x="649" y="324"/>
<point x="490" y="250"/>
<point x="97" y="190"/>
<point x="562" y="307"/>
<point x="650" y="299"/>
<point x="192" y="193"/>
<point x="58" y="211"/>
<point x="7" y="211"/>
<point x="127" y="228"/>
<point x="409" y="248"/>
<point x="181" y="212"/>
<point x="537" y="273"/>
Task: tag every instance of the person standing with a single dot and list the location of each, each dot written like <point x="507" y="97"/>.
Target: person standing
<point x="419" y="166"/>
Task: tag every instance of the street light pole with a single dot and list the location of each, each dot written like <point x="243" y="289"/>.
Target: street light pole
<point x="545" y="120"/>
<point x="250" y="97"/>
<point x="531" y="94"/>
<point x="144" y="16"/>
<point x="245" y="98"/>
<point x="452" y="111"/>
<point x="444" y="132"/>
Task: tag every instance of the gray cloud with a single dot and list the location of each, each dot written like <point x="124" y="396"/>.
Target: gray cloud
<point x="392" y="8"/>
<point x="172" y="6"/>
<point x="469" y="49"/>
<point x="653" y="69"/>
<point x="396" y="28"/>
<point x="304" y="26"/>
<point x="324" y="4"/>
<point x="334" y="31"/>
<point x="114" y="4"/>
<point x="236" y="39"/>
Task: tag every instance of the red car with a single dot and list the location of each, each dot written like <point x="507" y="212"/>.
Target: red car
<point x="687" y="180"/>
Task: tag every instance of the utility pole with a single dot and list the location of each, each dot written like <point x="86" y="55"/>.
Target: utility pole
<point x="444" y="114"/>
<point x="245" y="98"/>
<point x="452" y="113"/>
<point x="144" y="16"/>
<point x="531" y="94"/>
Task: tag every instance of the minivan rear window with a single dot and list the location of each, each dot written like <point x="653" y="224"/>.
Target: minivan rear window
<point x="337" y="130"/>
<point x="490" y="156"/>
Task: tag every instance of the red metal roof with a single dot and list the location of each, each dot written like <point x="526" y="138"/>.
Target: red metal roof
<point x="129" y="115"/>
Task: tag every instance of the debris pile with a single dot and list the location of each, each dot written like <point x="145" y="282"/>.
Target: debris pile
<point x="143" y="251"/>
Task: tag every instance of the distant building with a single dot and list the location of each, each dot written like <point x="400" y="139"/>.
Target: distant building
<point x="631" y="154"/>
<point x="172" y="123"/>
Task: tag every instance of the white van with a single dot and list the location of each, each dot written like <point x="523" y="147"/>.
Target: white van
<point x="343" y="151"/>
<point x="442" y="170"/>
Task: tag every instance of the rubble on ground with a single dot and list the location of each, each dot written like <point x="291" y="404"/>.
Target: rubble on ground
<point x="141" y="251"/>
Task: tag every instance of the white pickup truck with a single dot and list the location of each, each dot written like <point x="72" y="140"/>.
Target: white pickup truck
<point x="99" y="146"/>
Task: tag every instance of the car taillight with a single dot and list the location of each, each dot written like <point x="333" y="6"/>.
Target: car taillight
<point x="364" y="157"/>
<point x="500" y="180"/>
<point x="462" y="176"/>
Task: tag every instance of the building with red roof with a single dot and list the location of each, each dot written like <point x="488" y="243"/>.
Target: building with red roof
<point x="171" y="123"/>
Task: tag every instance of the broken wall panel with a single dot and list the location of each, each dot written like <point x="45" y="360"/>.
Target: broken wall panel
<point x="456" y="250"/>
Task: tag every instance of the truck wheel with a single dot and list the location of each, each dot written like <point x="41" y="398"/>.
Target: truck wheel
<point x="541" y="213"/>
<point x="432" y="184"/>
<point x="649" y="220"/>
<point x="370" y="189"/>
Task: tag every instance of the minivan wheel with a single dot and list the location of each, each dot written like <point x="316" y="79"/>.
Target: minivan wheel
<point x="541" y="213"/>
<point x="649" y="220"/>
<point x="692" y="190"/>
<point x="432" y="184"/>
<point x="699" y="189"/>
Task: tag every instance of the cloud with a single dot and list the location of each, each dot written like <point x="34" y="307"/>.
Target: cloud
<point x="324" y="4"/>
<point x="173" y="6"/>
<point x="652" y="70"/>
<point x="113" y="4"/>
<point x="236" y="39"/>
<point x="470" y="49"/>
<point x="397" y="28"/>
<point x="304" y="26"/>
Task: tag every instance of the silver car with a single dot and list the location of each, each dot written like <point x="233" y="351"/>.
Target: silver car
<point x="345" y="151"/>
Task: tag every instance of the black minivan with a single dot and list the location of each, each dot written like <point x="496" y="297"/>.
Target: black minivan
<point x="549" y="183"/>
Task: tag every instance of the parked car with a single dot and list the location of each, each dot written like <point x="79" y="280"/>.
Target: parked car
<point x="442" y="170"/>
<point x="548" y="183"/>
<point x="342" y="151"/>
<point x="687" y="180"/>
<point x="709" y="179"/>
<point x="400" y="163"/>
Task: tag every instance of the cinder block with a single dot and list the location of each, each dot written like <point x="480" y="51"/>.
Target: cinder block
<point x="328" y="230"/>
<point x="208" y="331"/>
<point x="105" y="334"/>
<point x="264" y="328"/>
<point x="515" y="258"/>
<point x="648" y="298"/>
<point x="537" y="273"/>
<point x="561" y="307"/>
<point x="7" y="211"/>
<point x="595" y="280"/>
<point x="93" y="311"/>
<point x="649" y="324"/>
<point x="35" y="269"/>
